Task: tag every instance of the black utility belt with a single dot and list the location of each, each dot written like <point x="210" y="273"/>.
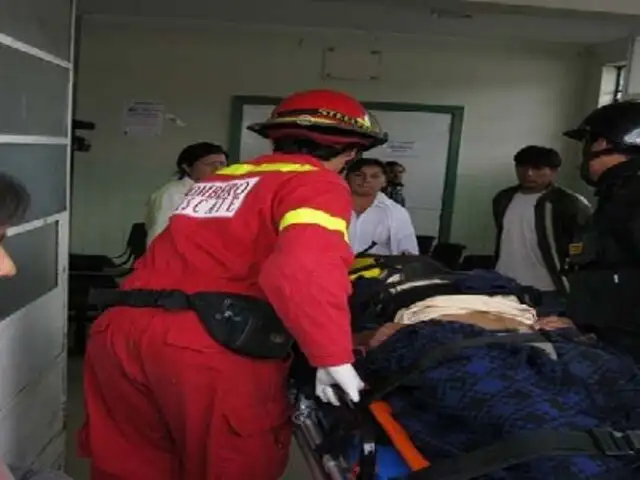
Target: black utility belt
<point x="246" y="325"/>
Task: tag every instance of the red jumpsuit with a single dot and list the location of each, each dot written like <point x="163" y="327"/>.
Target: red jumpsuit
<point x="163" y="400"/>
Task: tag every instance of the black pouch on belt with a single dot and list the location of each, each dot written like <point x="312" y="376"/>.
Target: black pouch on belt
<point x="246" y="325"/>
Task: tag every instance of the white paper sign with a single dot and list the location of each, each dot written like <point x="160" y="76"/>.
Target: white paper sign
<point x="144" y="119"/>
<point x="400" y="149"/>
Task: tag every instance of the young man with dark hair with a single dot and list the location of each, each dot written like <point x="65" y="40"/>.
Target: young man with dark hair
<point x="378" y="224"/>
<point x="536" y="221"/>
<point x="395" y="188"/>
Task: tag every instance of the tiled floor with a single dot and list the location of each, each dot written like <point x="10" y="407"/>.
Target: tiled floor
<point x="78" y="469"/>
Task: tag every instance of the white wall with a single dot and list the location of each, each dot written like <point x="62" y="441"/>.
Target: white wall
<point x="513" y="94"/>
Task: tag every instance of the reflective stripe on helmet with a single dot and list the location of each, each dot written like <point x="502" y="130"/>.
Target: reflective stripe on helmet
<point x="247" y="168"/>
<point x="325" y="116"/>
<point x="312" y="216"/>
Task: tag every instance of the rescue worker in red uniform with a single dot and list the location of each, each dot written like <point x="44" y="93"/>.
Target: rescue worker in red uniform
<point x="178" y="384"/>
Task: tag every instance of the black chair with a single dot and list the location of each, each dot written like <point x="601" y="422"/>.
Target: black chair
<point x="425" y="244"/>
<point x="134" y="248"/>
<point x="87" y="272"/>
<point x="477" y="262"/>
<point x="448" y="254"/>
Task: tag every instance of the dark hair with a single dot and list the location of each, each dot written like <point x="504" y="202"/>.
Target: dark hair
<point x="305" y="146"/>
<point x="392" y="163"/>
<point x="195" y="152"/>
<point x="538" y="157"/>
<point x="363" y="162"/>
<point x="14" y="200"/>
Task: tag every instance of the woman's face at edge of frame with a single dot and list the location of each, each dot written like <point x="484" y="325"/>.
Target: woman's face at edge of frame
<point x="7" y="267"/>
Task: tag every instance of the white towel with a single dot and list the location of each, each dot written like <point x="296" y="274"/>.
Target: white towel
<point x="432" y="308"/>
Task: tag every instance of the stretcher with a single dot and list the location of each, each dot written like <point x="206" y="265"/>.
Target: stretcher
<point x="360" y="457"/>
<point x="376" y="447"/>
<point x="365" y="442"/>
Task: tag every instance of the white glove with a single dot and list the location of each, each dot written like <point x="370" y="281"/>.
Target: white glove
<point x="345" y="376"/>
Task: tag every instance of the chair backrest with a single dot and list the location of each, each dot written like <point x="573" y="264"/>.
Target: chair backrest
<point x="137" y="241"/>
<point x="448" y="254"/>
<point x="425" y="244"/>
<point x="80" y="262"/>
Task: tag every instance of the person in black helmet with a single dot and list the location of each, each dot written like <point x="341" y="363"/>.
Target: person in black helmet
<point x="604" y="261"/>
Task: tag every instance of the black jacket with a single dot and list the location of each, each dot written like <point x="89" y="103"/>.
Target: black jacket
<point x="617" y="216"/>
<point x="559" y="213"/>
<point x="606" y="258"/>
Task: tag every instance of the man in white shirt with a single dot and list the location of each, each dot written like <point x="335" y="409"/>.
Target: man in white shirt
<point x="536" y="222"/>
<point x="378" y="224"/>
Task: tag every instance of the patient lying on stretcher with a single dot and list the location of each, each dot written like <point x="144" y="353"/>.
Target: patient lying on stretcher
<point x="491" y="313"/>
<point x="483" y="394"/>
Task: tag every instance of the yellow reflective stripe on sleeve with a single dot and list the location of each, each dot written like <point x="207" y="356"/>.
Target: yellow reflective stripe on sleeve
<point x="246" y="168"/>
<point x="311" y="216"/>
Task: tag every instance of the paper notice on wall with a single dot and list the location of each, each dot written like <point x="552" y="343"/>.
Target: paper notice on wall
<point x="400" y="150"/>
<point x="144" y="119"/>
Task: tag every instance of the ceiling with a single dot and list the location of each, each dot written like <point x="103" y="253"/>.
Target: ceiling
<point x="626" y="7"/>
<point x="449" y="18"/>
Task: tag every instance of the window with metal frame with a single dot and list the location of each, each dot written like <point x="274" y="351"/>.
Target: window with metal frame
<point x="618" y="92"/>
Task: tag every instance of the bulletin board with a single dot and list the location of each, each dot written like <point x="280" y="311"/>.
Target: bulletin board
<point x="424" y="138"/>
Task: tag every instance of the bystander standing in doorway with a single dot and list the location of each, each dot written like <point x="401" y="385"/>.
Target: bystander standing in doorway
<point x="395" y="188"/>
<point x="378" y="224"/>
<point x="536" y="221"/>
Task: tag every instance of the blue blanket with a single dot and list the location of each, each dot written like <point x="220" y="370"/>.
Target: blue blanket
<point x="485" y="394"/>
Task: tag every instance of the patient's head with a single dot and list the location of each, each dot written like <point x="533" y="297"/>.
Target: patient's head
<point x="366" y="177"/>
<point x="14" y="202"/>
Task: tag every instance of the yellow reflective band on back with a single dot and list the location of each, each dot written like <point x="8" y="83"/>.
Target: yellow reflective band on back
<point x="245" y="168"/>
<point x="311" y="216"/>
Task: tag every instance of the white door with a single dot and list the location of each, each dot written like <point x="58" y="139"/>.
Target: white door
<point x="420" y="142"/>
<point x="35" y="89"/>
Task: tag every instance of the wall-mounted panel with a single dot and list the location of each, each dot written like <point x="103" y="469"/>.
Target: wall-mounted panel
<point x="45" y="25"/>
<point x="35" y="253"/>
<point x="35" y="418"/>
<point x="33" y="94"/>
<point x="38" y="330"/>
<point x="43" y="170"/>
